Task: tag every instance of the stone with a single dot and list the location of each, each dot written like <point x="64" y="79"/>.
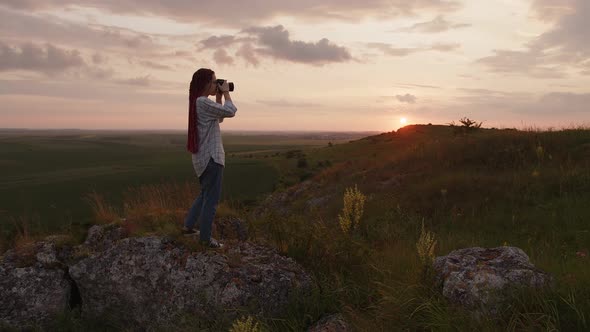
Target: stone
<point x="481" y="279"/>
<point x="33" y="286"/>
<point x="152" y="280"/>
<point x="101" y="237"/>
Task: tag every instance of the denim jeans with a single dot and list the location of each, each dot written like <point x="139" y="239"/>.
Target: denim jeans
<point x="204" y="206"/>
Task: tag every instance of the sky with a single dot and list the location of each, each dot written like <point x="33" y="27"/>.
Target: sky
<point x="332" y="65"/>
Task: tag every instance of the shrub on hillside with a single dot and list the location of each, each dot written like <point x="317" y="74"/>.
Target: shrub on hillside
<point x="354" y="203"/>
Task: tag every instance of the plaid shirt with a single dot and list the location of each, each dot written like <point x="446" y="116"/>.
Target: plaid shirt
<point x="209" y="115"/>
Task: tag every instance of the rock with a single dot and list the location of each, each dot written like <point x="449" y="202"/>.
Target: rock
<point x="481" y="279"/>
<point x="33" y="287"/>
<point x="152" y="280"/>
<point x="332" y="323"/>
<point x="42" y="254"/>
<point x="102" y="237"/>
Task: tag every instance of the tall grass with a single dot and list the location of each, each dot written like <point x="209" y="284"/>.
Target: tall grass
<point x="154" y="209"/>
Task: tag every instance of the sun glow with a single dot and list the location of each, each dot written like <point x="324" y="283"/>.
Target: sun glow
<point x="403" y="121"/>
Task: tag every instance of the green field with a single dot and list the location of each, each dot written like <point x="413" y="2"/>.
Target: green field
<point x="47" y="174"/>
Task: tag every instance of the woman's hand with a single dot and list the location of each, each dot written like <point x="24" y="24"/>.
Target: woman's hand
<point x="224" y="87"/>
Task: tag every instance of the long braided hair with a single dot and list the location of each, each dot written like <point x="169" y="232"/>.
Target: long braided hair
<point x="201" y="78"/>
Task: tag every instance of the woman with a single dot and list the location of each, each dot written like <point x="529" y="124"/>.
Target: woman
<point x="208" y="156"/>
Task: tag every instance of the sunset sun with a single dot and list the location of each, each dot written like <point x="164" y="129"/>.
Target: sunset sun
<point x="403" y="121"/>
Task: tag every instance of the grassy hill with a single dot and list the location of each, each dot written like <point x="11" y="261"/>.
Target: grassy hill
<point x="483" y="187"/>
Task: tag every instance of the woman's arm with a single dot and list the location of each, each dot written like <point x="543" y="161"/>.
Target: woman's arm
<point x="215" y="110"/>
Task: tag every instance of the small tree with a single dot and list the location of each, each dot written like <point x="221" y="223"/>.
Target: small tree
<point x="470" y="124"/>
<point x="467" y="126"/>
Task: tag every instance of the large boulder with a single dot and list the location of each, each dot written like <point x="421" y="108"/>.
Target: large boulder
<point x="152" y="281"/>
<point x="34" y="286"/>
<point x="483" y="279"/>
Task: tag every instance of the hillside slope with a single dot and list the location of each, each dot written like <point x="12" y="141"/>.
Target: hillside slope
<point x="484" y="188"/>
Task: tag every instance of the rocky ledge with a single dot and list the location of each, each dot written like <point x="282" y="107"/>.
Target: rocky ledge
<point x="146" y="281"/>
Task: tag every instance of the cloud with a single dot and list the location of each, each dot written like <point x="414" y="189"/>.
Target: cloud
<point x="570" y="34"/>
<point x="564" y="101"/>
<point x="217" y="41"/>
<point x="247" y="52"/>
<point x="47" y="59"/>
<point x="551" y="10"/>
<point x="142" y="81"/>
<point x="528" y="63"/>
<point x="436" y="25"/>
<point x="409" y="85"/>
<point x="445" y="47"/>
<point x="98" y="73"/>
<point x="287" y="104"/>
<point x="407" y="98"/>
<point x="98" y="58"/>
<point x="393" y="51"/>
<point x="43" y="28"/>
<point x="154" y="65"/>
<point x="565" y="45"/>
<point x="221" y="57"/>
<point x="388" y="49"/>
<point x="275" y="43"/>
<point x="237" y="13"/>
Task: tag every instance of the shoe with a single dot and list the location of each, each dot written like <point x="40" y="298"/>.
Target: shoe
<point x="212" y="244"/>
<point x="190" y="232"/>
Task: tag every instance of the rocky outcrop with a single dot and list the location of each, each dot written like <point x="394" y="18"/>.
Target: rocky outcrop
<point x="280" y="201"/>
<point x="33" y="286"/>
<point x="150" y="282"/>
<point x="483" y="279"/>
<point x="154" y="280"/>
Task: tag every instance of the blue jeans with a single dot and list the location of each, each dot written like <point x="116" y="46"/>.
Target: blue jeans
<point x="204" y="206"/>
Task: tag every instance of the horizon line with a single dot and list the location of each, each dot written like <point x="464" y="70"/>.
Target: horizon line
<point x="184" y="130"/>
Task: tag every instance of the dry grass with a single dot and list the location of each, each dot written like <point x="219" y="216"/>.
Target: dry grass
<point x="102" y="211"/>
<point x="154" y="209"/>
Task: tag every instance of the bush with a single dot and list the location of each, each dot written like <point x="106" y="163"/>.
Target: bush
<point x="354" y="203"/>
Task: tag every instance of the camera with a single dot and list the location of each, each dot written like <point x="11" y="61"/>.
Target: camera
<point x="231" y="84"/>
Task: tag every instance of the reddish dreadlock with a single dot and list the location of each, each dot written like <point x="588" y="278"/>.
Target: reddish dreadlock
<point x="201" y="78"/>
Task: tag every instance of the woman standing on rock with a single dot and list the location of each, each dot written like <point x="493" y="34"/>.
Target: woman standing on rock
<point x="208" y="155"/>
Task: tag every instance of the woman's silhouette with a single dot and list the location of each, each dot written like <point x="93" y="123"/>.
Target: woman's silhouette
<point x="208" y="156"/>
